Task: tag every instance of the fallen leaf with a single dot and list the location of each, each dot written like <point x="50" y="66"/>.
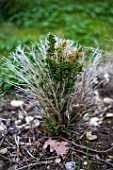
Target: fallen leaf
<point x="60" y="147"/>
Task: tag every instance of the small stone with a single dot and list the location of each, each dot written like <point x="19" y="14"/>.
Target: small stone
<point x="3" y="151"/>
<point x="110" y="157"/>
<point x="108" y="100"/>
<point x="70" y="166"/>
<point x="100" y="122"/>
<point x="17" y="122"/>
<point x="20" y="116"/>
<point x="38" y="117"/>
<point x="36" y="123"/>
<point x="57" y="160"/>
<point x="84" y="157"/>
<point x="85" y="163"/>
<point x="29" y="119"/>
<point x="90" y="137"/>
<point x="97" y="97"/>
<point x="96" y="81"/>
<point x="94" y="121"/>
<point x="107" y="77"/>
<point x="109" y="115"/>
<point x="48" y="167"/>
<point x="16" y="103"/>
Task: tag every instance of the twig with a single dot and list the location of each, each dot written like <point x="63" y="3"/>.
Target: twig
<point x="34" y="164"/>
<point x="2" y="140"/>
<point x="84" y="147"/>
<point x="93" y="156"/>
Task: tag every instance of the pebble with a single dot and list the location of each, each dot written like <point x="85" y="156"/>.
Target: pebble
<point x="3" y="151"/>
<point x="108" y="100"/>
<point x="85" y="163"/>
<point x="20" y="116"/>
<point x="16" y="103"/>
<point x="107" y="77"/>
<point x="70" y="166"/>
<point x="110" y="157"/>
<point x="57" y="160"/>
<point x="36" y="123"/>
<point x="94" y="122"/>
<point x="29" y="119"/>
<point x="109" y="115"/>
<point x="17" y="122"/>
<point x="48" y="167"/>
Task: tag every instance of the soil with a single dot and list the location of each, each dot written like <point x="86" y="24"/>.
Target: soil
<point x="21" y="142"/>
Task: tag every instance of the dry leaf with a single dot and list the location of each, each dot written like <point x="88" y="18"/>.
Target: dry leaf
<point x="61" y="147"/>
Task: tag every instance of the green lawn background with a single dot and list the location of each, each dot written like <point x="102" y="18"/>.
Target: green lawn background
<point x="89" y="23"/>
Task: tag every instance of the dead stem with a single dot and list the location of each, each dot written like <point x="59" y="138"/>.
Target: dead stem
<point x="94" y="156"/>
<point x="84" y="147"/>
<point x="34" y="164"/>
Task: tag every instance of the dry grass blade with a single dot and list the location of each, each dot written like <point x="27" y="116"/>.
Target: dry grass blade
<point x="62" y="104"/>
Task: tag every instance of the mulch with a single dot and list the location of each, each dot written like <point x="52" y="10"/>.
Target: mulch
<point x="21" y="142"/>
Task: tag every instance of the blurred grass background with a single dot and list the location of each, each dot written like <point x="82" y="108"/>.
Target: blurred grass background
<point x="88" y="22"/>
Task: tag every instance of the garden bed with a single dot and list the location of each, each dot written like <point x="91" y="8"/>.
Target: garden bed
<point x="23" y="135"/>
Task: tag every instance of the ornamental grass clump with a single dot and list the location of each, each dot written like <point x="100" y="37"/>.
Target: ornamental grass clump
<point x="54" y="74"/>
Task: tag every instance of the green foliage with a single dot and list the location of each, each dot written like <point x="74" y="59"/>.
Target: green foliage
<point x="49" y="11"/>
<point x="9" y="44"/>
<point x="6" y="76"/>
<point x="68" y="18"/>
<point x="53" y="73"/>
<point x="48" y="71"/>
<point x="63" y="67"/>
<point x="62" y="70"/>
<point x="87" y="156"/>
